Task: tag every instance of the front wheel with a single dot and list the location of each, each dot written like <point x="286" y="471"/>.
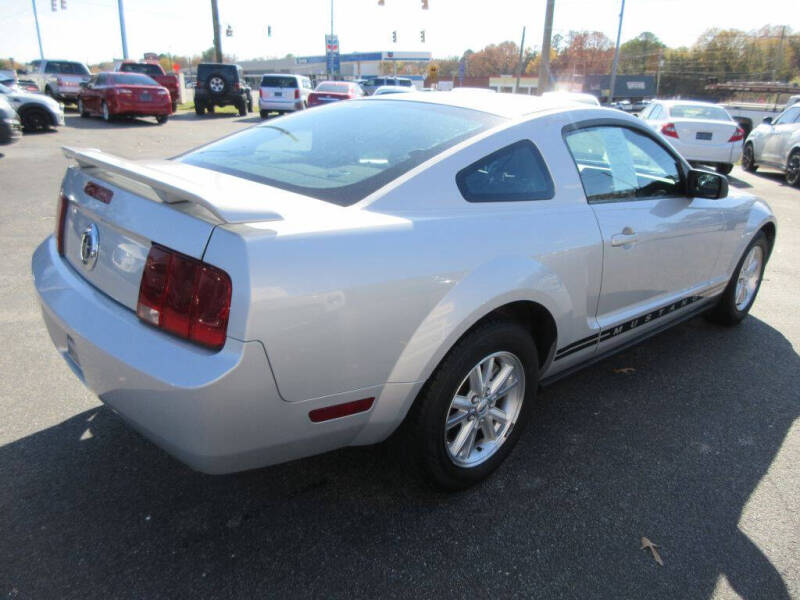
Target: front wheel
<point x="82" y="109"/>
<point x="474" y="407"/>
<point x="264" y="114"/>
<point x="739" y="295"/>
<point x="242" y="108"/>
<point x="749" y="159"/>
<point x="106" y="113"/>
<point x="793" y="169"/>
<point x="724" y="168"/>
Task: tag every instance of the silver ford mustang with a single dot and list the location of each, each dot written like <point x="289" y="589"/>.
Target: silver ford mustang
<point x="427" y="260"/>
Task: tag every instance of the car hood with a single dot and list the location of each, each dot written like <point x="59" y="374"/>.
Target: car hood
<point x="26" y="97"/>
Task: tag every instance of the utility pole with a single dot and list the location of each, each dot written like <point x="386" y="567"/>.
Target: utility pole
<point x="122" y="29"/>
<point x="616" y="56"/>
<point x="217" y="40"/>
<point x="658" y="72"/>
<point x="38" y="34"/>
<point x="519" y="64"/>
<point x="544" y="64"/>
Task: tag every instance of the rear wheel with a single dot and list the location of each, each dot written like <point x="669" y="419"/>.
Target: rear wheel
<point x="264" y="114"/>
<point x="793" y="169"/>
<point x="242" y="108"/>
<point x="161" y="119"/>
<point x="724" y="169"/>
<point x="34" y="119"/>
<point x="249" y="103"/>
<point x="49" y="92"/>
<point x="174" y="106"/>
<point x="739" y="295"/>
<point x="210" y="109"/>
<point x="82" y="109"/>
<point x="198" y="109"/>
<point x="474" y="407"/>
<point x="106" y="113"/>
<point x="749" y="159"/>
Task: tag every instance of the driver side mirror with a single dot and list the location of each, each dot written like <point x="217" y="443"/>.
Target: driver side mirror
<point x="767" y="120"/>
<point x="705" y="184"/>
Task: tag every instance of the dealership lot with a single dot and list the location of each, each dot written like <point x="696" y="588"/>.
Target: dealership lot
<point x="690" y="439"/>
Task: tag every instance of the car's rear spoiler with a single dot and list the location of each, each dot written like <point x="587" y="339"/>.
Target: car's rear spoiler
<point x="171" y="189"/>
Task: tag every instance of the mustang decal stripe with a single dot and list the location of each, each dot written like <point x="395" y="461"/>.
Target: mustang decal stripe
<point x="616" y="330"/>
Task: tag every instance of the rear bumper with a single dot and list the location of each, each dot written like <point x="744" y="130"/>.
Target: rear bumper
<point x="275" y="104"/>
<point x="727" y="153"/>
<point x="120" y="106"/>
<point x="219" y="412"/>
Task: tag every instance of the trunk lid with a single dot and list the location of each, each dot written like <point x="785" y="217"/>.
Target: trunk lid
<point x="702" y="131"/>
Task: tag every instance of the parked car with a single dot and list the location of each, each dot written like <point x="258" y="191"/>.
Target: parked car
<point x="393" y="89"/>
<point x="221" y="85"/>
<point x="283" y="93"/>
<point x="578" y="97"/>
<point x="10" y="127"/>
<point x="156" y="72"/>
<point x="776" y="144"/>
<point x="373" y="83"/>
<point x="113" y="94"/>
<point x="704" y="133"/>
<point x="401" y="260"/>
<point x="36" y="111"/>
<point x="334" y="91"/>
<point x="59" y="79"/>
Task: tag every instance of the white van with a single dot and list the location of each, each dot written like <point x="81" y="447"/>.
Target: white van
<point x="283" y="92"/>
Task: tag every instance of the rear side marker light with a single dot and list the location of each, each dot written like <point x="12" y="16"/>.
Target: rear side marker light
<point x="185" y="297"/>
<point x="669" y="130"/>
<point x="98" y="192"/>
<point x="340" y="410"/>
<point x="738" y="135"/>
<point x="61" y="219"/>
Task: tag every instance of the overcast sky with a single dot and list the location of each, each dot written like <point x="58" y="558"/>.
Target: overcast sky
<point x="89" y="29"/>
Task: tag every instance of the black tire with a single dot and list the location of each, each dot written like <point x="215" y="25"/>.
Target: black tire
<point x="725" y="311"/>
<point x="34" y="118"/>
<point x="105" y="112"/>
<point x="198" y="109"/>
<point x="161" y="119"/>
<point x="724" y="169"/>
<point x="82" y="109"/>
<point x="217" y="84"/>
<point x="210" y="109"/>
<point x="264" y="114"/>
<point x="249" y="104"/>
<point x="174" y="106"/>
<point x="425" y="430"/>
<point x="749" y="159"/>
<point x="792" y="174"/>
<point x="49" y="92"/>
<point x="242" y="108"/>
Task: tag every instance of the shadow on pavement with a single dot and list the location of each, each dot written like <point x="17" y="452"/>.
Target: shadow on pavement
<point x="79" y="122"/>
<point x="738" y="183"/>
<point x="671" y="451"/>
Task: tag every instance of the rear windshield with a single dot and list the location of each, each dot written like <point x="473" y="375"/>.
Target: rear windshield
<point x="278" y="82"/>
<point x="345" y="152"/>
<point x="698" y="111"/>
<point x="141" y="68"/>
<point x="131" y="79"/>
<point x="333" y="87"/>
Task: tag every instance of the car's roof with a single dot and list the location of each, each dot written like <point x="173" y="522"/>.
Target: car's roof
<point x="503" y="105"/>
<point x="283" y="75"/>
<point x="675" y="102"/>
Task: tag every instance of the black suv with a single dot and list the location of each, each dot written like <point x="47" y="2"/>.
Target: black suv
<point x="221" y="85"/>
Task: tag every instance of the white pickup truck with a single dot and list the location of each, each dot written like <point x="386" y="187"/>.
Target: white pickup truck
<point x="59" y="79"/>
<point x="752" y="102"/>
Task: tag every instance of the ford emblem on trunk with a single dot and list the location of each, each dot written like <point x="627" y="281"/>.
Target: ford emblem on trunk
<point x="90" y="244"/>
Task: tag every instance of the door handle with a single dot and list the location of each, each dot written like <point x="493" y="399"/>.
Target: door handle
<point x="627" y="237"/>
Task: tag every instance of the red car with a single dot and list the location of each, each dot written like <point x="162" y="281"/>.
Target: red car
<point x="334" y="91"/>
<point x="114" y="94"/>
<point x="156" y="72"/>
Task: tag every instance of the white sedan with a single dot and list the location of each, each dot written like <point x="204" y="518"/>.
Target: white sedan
<point x="704" y="133"/>
<point x="425" y="260"/>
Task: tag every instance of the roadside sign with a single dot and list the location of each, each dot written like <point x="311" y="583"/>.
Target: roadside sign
<point x="332" y="53"/>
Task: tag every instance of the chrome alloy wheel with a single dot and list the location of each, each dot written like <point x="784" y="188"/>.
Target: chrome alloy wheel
<point x="106" y="113"/>
<point x="216" y="85"/>
<point x="749" y="277"/>
<point x="484" y="409"/>
<point x="793" y="169"/>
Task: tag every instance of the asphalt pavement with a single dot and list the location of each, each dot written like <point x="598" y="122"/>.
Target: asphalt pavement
<point x="690" y="439"/>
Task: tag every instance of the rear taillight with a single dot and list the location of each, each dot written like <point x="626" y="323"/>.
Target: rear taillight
<point x="738" y="135"/>
<point x="236" y="86"/>
<point x="297" y="94"/>
<point x="61" y="219"/>
<point x="59" y="81"/>
<point x="185" y="297"/>
<point x="669" y="130"/>
<point x="261" y="93"/>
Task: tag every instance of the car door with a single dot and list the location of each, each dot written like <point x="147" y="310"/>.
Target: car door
<point x="777" y="140"/>
<point x="660" y="246"/>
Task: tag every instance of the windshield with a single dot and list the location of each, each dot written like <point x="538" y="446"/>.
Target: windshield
<point x="131" y="79"/>
<point x="5" y="90"/>
<point x="699" y="111"/>
<point x="344" y="152"/>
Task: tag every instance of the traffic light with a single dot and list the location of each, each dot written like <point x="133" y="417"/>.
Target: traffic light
<point x="422" y="36"/>
<point x="424" y="4"/>
<point x="63" y="4"/>
<point x="54" y="5"/>
<point x="381" y="3"/>
<point x="394" y="37"/>
<point x="229" y="31"/>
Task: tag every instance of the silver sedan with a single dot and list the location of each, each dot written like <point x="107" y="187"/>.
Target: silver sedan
<point x="425" y="260"/>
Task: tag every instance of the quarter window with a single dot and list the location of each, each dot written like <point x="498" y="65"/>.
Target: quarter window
<point x="617" y="163"/>
<point x="514" y="173"/>
<point x="790" y="115"/>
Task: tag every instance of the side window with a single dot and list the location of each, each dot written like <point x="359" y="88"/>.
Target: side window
<point x="101" y="79"/>
<point x="645" y="114"/>
<point x="790" y="115"/>
<point x="617" y="163"/>
<point x="52" y="67"/>
<point x="514" y="173"/>
<point x="658" y="113"/>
